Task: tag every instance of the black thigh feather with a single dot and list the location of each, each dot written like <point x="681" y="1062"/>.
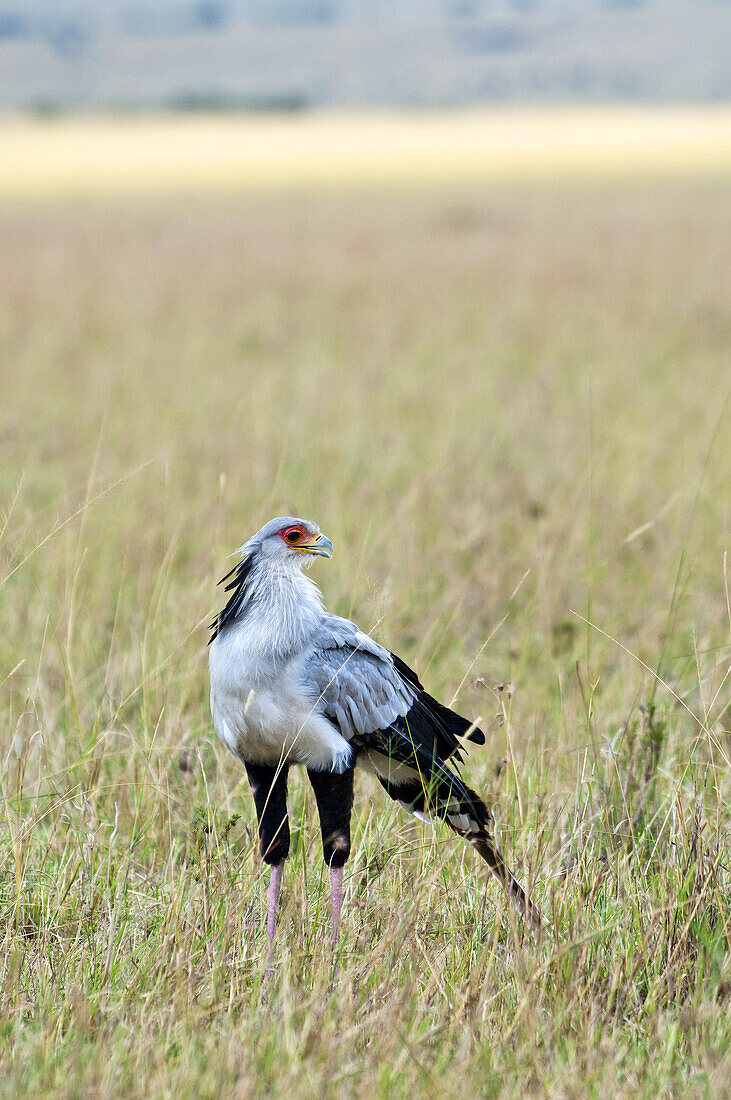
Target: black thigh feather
<point x="269" y="788"/>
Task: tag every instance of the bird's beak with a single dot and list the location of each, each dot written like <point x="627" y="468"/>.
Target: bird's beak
<point x="321" y="546"/>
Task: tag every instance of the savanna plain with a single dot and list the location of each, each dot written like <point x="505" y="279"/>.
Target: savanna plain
<point x="507" y="406"/>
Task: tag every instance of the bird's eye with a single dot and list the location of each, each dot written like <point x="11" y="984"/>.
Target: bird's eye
<point x="293" y="536"/>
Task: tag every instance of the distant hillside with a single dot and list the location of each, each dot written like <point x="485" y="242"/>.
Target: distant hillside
<point x="298" y="53"/>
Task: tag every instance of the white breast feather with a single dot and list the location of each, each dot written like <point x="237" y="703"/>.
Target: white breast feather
<point x="261" y="709"/>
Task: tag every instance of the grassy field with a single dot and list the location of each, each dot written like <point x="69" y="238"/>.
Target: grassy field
<point x="507" y="408"/>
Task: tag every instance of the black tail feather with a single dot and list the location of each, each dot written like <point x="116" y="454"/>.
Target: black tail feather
<point x="443" y="795"/>
<point x="478" y="832"/>
<point x="485" y="848"/>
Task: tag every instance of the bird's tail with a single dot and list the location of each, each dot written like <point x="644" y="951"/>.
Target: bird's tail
<point x="428" y="789"/>
<point x="473" y="824"/>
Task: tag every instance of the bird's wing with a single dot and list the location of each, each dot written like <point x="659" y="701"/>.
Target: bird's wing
<point x="407" y="737"/>
<point x="377" y="702"/>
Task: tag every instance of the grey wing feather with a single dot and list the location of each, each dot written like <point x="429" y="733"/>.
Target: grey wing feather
<point x="378" y="701"/>
<point x="354" y="680"/>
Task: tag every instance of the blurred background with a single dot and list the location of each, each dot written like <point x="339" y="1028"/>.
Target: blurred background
<point x="181" y="95"/>
<point x="297" y="54"/>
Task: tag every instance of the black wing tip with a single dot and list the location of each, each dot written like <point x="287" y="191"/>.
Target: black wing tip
<point x="405" y="672"/>
<point x="452" y="724"/>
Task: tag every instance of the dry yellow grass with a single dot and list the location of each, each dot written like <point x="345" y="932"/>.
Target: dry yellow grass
<point x="142" y="155"/>
<point x="504" y="406"/>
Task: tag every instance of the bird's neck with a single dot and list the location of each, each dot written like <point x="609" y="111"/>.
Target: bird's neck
<point x="281" y="609"/>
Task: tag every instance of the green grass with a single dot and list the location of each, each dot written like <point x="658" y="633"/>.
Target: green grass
<point x="507" y="409"/>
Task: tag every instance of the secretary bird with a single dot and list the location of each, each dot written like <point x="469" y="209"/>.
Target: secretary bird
<point x="293" y="684"/>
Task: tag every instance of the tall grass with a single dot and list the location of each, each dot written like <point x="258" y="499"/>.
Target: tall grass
<point x="506" y="408"/>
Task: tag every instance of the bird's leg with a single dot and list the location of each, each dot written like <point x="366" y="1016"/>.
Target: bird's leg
<point x="334" y="795"/>
<point x="269" y="787"/>
<point x="336" y="881"/>
<point x="275" y="890"/>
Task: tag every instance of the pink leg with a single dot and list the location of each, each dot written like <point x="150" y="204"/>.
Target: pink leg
<point x="336" y="880"/>
<point x="275" y="890"/>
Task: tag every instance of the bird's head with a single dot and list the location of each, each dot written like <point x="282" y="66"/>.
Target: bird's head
<point x="289" y="540"/>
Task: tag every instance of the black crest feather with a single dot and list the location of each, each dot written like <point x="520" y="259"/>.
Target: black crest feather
<point x="237" y="579"/>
